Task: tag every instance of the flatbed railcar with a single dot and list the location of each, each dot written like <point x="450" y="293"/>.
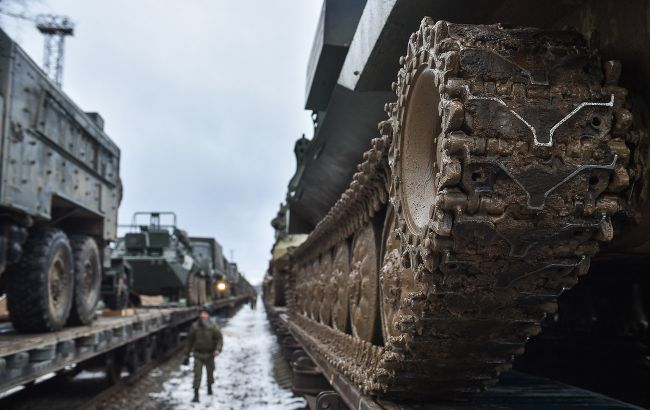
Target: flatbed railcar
<point x="119" y="342"/>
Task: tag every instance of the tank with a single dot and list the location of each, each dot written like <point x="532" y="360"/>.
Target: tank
<point x="274" y="285"/>
<point x="158" y="257"/>
<point x="470" y="162"/>
<point x="59" y="195"/>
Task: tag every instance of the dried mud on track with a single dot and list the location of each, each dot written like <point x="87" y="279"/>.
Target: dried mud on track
<point x="244" y="375"/>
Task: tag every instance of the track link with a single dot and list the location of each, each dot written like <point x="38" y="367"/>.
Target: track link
<point x="494" y="219"/>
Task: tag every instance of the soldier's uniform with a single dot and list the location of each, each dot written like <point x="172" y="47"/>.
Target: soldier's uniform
<point x="202" y="341"/>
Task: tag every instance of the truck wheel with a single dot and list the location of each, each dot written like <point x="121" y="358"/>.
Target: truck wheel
<point x="40" y="285"/>
<point x="87" y="280"/>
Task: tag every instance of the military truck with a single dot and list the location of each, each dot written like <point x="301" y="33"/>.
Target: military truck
<point x="209" y="255"/>
<point x="159" y="260"/>
<point x="59" y="194"/>
<point x="465" y="170"/>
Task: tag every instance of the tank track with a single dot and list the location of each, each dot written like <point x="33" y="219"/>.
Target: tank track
<point x="532" y="163"/>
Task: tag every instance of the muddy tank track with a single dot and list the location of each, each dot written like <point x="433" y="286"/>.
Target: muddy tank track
<point x="491" y="222"/>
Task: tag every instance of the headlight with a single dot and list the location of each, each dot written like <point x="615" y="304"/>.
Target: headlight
<point x="221" y="286"/>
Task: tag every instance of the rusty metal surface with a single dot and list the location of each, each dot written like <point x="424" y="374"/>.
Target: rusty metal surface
<point x="505" y="158"/>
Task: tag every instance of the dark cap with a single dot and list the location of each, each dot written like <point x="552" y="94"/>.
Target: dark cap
<point x="204" y="310"/>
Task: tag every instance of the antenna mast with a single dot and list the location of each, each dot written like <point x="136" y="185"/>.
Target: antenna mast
<point x="55" y="29"/>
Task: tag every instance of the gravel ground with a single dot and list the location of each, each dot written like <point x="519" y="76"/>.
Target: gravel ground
<point x="244" y="375"/>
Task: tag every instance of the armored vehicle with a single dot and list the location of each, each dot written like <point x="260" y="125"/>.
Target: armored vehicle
<point x="59" y="194"/>
<point x="209" y="255"/>
<point x="160" y="260"/>
<point x="275" y="281"/>
<point x="237" y="283"/>
<point x="463" y="173"/>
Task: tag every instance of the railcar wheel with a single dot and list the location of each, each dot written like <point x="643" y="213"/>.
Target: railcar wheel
<point x="131" y="357"/>
<point x="119" y="298"/>
<point x="40" y="286"/>
<point x="341" y="278"/>
<point x="364" y="286"/>
<point x="114" y="365"/>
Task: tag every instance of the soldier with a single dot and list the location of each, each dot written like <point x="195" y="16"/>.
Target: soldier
<point x="205" y="342"/>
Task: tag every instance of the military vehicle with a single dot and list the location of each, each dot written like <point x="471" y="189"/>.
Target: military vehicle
<point x="209" y="255"/>
<point x="236" y="282"/>
<point x="275" y="281"/>
<point x="463" y="173"/>
<point x="159" y="259"/>
<point x="59" y="194"/>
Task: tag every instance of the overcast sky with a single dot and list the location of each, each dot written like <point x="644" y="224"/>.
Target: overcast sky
<point x="205" y="100"/>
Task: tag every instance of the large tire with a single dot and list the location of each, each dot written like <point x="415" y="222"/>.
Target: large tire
<point x="40" y="286"/>
<point x="87" y="280"/>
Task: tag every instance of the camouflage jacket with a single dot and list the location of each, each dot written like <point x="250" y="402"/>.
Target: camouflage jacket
<point x="204" y="339"/>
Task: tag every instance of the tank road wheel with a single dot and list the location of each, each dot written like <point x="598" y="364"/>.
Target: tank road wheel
<point x="87" y="280"/>
<point x="40" y="286"/>
<point x="363" y="279"/>
<point x="341" y="279"/>
<point x="327" y="293"/>
<point x="508" y="162"/>
<point x="315" y="290"/>
<point x="304" y="287"/>
<point x="395" y="282"/>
